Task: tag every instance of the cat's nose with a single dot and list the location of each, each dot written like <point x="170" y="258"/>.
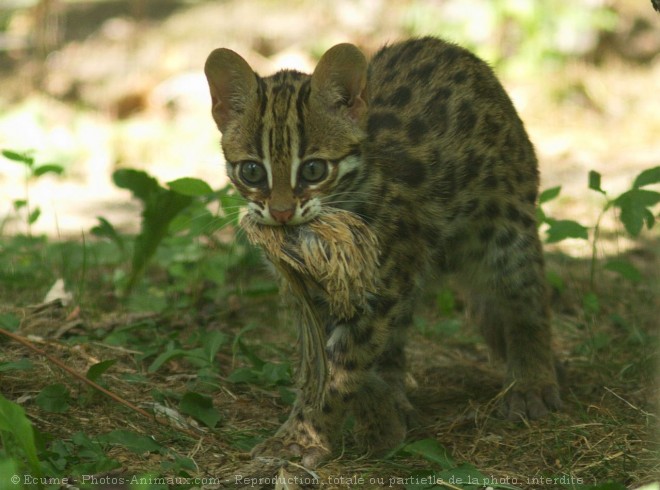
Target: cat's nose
<point x="282" y="216"/>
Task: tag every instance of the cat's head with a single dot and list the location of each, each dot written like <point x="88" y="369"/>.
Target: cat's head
<point x="291" y="141"/>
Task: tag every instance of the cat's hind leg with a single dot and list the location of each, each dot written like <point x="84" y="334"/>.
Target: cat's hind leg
<point x="510" y="306"/>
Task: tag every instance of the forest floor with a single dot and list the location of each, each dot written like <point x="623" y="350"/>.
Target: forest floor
<point x="129" y="93"/>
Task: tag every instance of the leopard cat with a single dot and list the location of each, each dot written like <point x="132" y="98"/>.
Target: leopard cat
<point x="425" y="146"/>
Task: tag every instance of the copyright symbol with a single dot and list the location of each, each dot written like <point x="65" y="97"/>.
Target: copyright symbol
<point x="16" y="479"/>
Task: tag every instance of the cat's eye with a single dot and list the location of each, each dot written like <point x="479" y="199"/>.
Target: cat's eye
<point x="313" y="171"/>
<point x="252" y="173"/>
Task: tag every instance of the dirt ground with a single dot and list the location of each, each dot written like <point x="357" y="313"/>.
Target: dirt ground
<point x="125" y="89"/>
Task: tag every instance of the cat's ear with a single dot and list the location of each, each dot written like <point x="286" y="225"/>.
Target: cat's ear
<point x="340" y="79"/>
<point x="233" y="85"/>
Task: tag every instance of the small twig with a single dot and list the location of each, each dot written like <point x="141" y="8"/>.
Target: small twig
<point x="89" y="382"/>
<point x="310" y="472"/>
<point x="605" y="458"/>
<point x="73" y="373"/>
<point x="117" y="348"/>
<point x="643" y="412"/>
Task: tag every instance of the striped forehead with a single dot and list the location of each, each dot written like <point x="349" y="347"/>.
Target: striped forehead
<point x="281" y="135"/>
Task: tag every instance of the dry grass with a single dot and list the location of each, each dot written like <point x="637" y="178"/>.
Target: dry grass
<point x="606" y="432"/>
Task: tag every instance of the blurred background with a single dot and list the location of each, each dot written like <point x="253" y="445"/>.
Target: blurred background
<point x="97" y="85"/>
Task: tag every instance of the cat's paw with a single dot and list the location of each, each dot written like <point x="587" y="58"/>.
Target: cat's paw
<point x="383" y="425"/>
<point x="283" y="448"/>
<point x="531" y="402"/>
<point x="376" y="442"/>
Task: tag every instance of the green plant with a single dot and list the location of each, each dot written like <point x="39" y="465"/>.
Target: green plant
<point x="202" y="357"/>
<point x="261" y="372"/>
<point x="160" y="206"/>
<point x="32" y="172"/>
<point x="179" y="213"/>
<point x="30" y="459"/>
<point x="634" y="207"/>
<point x="19" y="450"/>
<point x="448" y="472"/>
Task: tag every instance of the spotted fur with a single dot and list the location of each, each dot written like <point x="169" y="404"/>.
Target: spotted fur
<point x="424" y="144"/>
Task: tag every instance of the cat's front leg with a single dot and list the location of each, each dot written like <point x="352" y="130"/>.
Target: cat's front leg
<point x="307" y="434"/>
<point x="312" y="432"/>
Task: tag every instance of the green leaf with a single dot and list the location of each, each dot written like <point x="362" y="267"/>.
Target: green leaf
<point x="616" y="486"/>
<point x="243" y="375"/>
<point x="647" y="177"/>
<point x="419" y="480"/>
<point x="195" y="220"/>
<point x="179" y="464"/>
<point x="132" y="441"/>
<point x="165" y="357"/>
<point x="54" y="398"/>
<point x="152" y="481"/>
<point x="276" y="373"/>
<point x="105" y="230"/>
<point x="244" y="442"/>
<point x="160" y="207"/>
<point x="269" y="374"/>
<point x="555" y="280"/>
<point x="467" y="476"/>
<point x="231" y="203"/>
<point x="625" y="269"/>
<point x="432" y="451"/>
<point x="90" y="449"/>
<point x="649" y="219"/>
<point x="95" y="371"/>
<point x="549" y="194"/>
<point x="34" y="216"/>
<point x="25" y="157"/>
<point x="14" y="421"/>
<point x="634" y="206"/>
<point x="48" y="168"/>
<point x="446" y="302"/>
<point x="20" y="365"/>
<point x="287" y="395"/>
<point x="19" y="204"/>
<point x="190" y="187"/>
<point x="200" y="407"/>
<point x="591" y="304"/>
<point x="141" y="184"/>
<point x="9" y="321"/>
<point x="594" y="181"/>
<point x="244" y="349"/>
<point x="540" y="216"/>
<point x="158" y="212"/>
<point x="561" y="229"/>
<point x="447" y="328"/>
<point x="9" y="471"/>
<point x="212" y="342"/>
